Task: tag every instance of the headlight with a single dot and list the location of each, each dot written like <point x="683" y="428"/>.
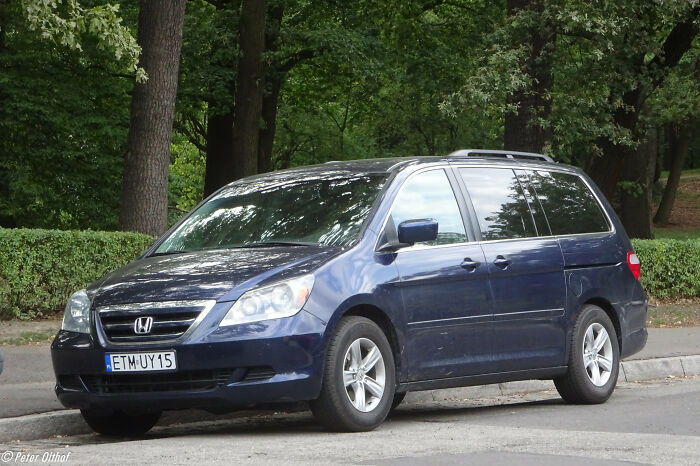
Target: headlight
<point x="283" y="299"/>
<point x="77" y="315"/>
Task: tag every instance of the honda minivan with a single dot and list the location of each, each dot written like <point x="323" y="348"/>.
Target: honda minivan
<point x="348" y="284"/>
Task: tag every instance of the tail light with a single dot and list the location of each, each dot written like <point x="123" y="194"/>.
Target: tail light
<point x="634" y="264"/>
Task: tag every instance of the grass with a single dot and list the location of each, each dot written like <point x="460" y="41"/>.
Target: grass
<point x="690" y="172"/>
<point x="26" y="338"/>
<point x="679" y="314"/>
<point x="677" y="233"/>
<point x="684" y="222"/>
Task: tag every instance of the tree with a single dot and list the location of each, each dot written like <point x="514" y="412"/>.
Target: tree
<point x="606" y="59"/>
<point x="250" y="84"/>
<point x="639" y="79"/>
<point x="145" y="185"/>
<point x="679" y="144"/>
<point x="526" y="126"/>
<point x="64" y="113"/>
<point x="68" y="23"/>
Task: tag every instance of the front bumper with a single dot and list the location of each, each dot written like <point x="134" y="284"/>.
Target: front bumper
<point x="276" y="361"/>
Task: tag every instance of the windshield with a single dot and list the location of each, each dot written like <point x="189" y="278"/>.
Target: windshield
<point x="318" y="209"/>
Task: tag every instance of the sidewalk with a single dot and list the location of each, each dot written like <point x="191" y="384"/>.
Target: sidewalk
<point x="26" y="384"/>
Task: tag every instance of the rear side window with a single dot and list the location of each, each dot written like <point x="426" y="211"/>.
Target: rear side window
<point x="499" y="203"/>
<point x="429" y="195"/>
<point x="568" y="203"/>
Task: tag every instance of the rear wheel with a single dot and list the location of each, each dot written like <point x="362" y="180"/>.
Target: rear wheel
<point x="117" y="423"/>
<point x="594" y="359"/>
<point x="359" y="378"/>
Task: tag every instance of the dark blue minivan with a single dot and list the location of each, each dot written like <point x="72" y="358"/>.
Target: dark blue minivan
<point x="349" y="284"/>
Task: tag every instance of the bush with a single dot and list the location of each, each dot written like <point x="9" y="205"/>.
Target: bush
<point x="669" y="267"/>
<point x="40" y="269"/>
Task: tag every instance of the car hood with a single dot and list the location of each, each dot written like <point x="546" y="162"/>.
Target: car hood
<point x="200" y="275"/>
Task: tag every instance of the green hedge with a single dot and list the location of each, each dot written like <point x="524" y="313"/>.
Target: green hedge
<point x="40" y="269"/>
<point x="670" y="268"/>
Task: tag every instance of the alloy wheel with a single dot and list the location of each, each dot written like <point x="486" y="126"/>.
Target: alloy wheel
<point x="364" y="374"/>
<point x="598" y="356"/>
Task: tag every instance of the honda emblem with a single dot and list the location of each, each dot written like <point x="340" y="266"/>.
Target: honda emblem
<point x="143" y="325"/>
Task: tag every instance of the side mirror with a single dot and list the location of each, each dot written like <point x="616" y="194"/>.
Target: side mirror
<point x="417" y="231"/>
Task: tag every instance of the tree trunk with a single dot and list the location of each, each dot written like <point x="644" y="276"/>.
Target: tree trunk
<point x="273" y="85"/>
<point x="523" y="131"/>
<point x="219" y="169"/>
<point x="607" y="169"/>
<point x="635" y="207"/>
<point x="269" y="116"/>
<point x="679" y="141"/>
<point x="144" y="205"/>
<point x="249" y="88"/>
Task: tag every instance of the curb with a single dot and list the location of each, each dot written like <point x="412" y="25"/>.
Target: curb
<point x="630" y="371"/>
<point x="70" y="422"/>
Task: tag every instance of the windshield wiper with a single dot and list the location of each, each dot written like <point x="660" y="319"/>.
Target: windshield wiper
<point x="168" y="253"/>
<point x="272" y="244"/>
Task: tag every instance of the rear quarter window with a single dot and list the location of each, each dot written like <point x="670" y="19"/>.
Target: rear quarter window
<point x="568" y="203"/>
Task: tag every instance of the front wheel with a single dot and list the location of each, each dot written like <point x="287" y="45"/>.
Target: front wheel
<point x="116" y="423"/>
<point x="358" y="380"/>
<point x="594" y="359"/>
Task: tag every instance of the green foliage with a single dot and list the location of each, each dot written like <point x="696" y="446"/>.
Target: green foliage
<point x="377" y="87"/>
<point x="187" y="165"/>
<point x="68" y="23"/>
<point x="207" y="66"/>
<point x="40" y="269"/>
<point x="361" y="79"/>
<point x="599" y="51"/>
<point x="63" y="124"/>
<point x="669" y="267"/>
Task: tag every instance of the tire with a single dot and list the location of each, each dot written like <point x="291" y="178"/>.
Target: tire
<point x="116" y="423"/>
<point x="340" y="409"/>
<point x="398" y="398"/>
<point x="593" y="379"/>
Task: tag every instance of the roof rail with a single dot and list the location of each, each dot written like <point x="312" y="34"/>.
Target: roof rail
<point x="509" y="154"/>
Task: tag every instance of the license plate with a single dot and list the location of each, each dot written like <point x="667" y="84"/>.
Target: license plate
<point x="140" y="362"/>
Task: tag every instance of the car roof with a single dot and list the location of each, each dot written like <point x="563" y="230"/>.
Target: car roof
<point x="392" y="164"/>
<point x="389" y="165"/>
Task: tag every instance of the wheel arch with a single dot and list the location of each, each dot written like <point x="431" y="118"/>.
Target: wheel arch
<point x="379" y="317"/>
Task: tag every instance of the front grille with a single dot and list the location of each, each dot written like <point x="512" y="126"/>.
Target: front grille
<point x="255" y="374"/>
<point x="148" y="383"/>
<point x="170" y="320"/>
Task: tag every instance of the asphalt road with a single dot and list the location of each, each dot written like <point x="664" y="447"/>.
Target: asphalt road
<point x="654" y="422"/>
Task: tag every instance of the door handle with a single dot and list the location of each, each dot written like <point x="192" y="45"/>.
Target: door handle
<point x="501" y="262"/>
<point x="470" y="264"/>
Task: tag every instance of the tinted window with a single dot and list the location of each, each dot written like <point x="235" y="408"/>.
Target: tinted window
<point x="326" y="209"/>
<point x="499" y="203"/>
<point x="568" y="203"/>
<point x="535" y="207"/>
<point x="429" y="195"/>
